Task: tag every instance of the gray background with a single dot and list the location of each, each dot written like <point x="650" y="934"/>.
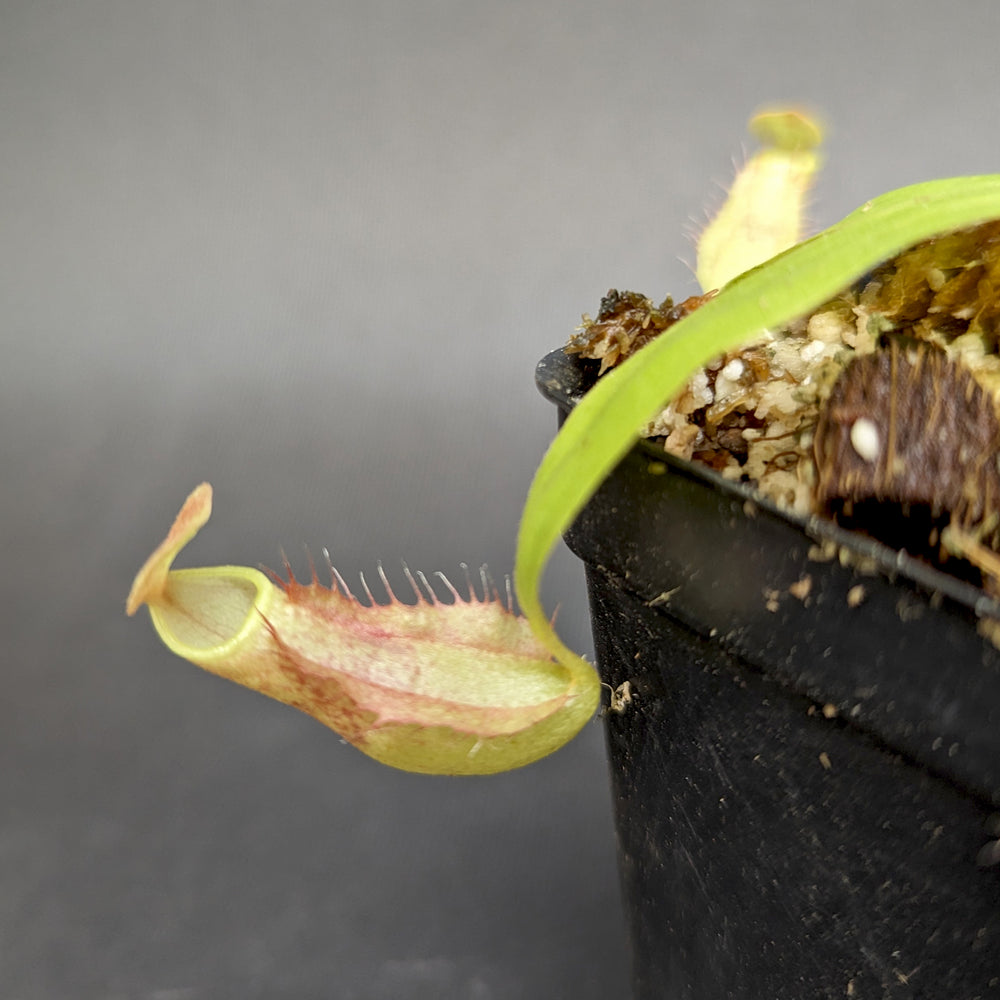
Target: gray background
<point x="311" y="252"/>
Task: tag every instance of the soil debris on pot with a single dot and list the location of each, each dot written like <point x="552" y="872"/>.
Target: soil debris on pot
<point x="879" y="410"/>
<point x="626" y="322"/>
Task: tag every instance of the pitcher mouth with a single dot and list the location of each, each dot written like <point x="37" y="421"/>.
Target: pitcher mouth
<point x="201" y="614"/>
<point x="207" y="612"/>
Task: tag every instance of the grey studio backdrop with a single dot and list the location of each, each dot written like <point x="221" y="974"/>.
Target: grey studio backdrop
<point x="311" y="252"/>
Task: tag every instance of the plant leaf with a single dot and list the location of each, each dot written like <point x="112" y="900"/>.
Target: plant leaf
<point x="606" y="423"/>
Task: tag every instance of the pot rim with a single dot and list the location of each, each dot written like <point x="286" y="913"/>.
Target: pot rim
<point x="564" y="380"/>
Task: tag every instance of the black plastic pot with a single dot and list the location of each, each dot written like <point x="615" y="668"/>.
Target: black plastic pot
<point x="807" y="775"/>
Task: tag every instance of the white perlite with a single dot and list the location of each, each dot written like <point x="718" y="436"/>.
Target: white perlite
<point x="865" y="439"/>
